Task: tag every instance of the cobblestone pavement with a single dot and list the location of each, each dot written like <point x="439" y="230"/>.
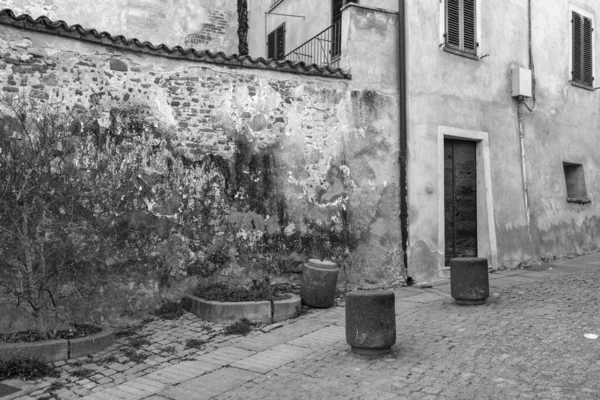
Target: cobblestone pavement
<point x="526" y="342"/>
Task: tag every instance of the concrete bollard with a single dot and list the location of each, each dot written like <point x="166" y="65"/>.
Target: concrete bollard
<point x="469" y="280"/>
<point x="319" y="283"/>
<point x="371" y="321"/>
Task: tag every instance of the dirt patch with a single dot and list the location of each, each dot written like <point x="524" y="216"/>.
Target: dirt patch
<point x="74" y="332"/>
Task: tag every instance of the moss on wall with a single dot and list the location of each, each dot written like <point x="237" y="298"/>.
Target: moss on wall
<point x="299" y="167"/>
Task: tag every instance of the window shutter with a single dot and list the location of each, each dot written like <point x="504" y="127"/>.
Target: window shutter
<point x="280" y="42"/>
<point x="453" y="23"/>
<point x="336" y="10"/>
<point x="469" y="38"/>
<point x="588" y="69"/>
<point x="271" y="45"/>
<point x="583" y="68"/>
<point x="576" y="22"/>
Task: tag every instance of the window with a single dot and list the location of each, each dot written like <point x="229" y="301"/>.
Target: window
<point x="461" y="27"/>
<point x="336" y="23"/>
<point x="575" y="181"/>
<point x="582" y="52"/>
<point x="276" y="43"/>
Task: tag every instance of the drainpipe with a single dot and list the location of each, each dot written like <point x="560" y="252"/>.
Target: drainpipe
<point x="402" y="94"/>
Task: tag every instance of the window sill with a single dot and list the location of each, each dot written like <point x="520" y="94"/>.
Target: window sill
<point x="583" y="86"/>
<point x="460" y="53"/>
<point x="579" y="200"/>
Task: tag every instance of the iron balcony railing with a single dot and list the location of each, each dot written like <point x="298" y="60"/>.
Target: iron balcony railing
<point x="322" y="49"/>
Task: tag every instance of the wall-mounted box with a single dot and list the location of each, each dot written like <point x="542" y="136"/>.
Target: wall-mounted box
<point x="521" y="82"/>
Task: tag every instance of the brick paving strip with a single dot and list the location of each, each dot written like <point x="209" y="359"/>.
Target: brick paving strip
<point x="526" y="342"/>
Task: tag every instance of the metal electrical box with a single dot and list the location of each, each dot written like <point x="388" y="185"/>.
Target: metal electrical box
<point x="521" y="82"/>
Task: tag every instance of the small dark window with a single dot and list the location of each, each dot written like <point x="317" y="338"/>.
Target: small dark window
<point x="461" y="26"/>
<point x="276" y="43"/>
<point x="583" y="69"/>
<point x="575" y="181"/>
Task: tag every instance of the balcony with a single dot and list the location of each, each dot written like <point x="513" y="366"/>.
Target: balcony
<point x="322" y="49"/>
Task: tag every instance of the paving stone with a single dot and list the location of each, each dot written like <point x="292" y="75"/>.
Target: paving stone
<point x="268" y="360"/>
<point x="210" y="385"/>
<point x="181" y="372"/>
<point x="322" y="338"/>
<point x="426" y="297"/>
<point x="281" y="335"/>
<point x="224" y="356"/>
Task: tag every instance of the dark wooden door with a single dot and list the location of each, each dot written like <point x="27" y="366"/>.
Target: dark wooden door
<point x="460" y="199"/>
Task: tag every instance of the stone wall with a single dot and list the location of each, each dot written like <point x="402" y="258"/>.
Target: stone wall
<point x="307" y="160"/>
<point x="199" y="24"/>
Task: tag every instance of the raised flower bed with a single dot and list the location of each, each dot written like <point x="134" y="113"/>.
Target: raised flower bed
<point x="222" y="304"/>
<point x="66" y="346"/>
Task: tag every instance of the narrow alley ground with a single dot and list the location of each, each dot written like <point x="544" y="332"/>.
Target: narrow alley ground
<point x="527" y="342"/>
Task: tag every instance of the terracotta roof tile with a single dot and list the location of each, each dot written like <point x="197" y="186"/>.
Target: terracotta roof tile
<point x="61" y="28"/>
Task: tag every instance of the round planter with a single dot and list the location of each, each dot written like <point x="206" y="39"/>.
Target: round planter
<point x="286" y="308"/>
<point x="469" y="280"/>
<point x="371" y="321"/>
<point x="59" y="349"/>
<point x="223" y="312"/>
<point x="319" y="282"/>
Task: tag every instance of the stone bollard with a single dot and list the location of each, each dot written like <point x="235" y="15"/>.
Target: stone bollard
<point x="319" y="283"/>
<point x="371" y="321"/>
<point x="469" y="280"/>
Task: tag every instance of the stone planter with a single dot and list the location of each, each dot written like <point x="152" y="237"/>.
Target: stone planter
<point x="469" y="280"/>
<point x="60" y="349"/>
<point x="265" y="312"/>
<point x="371" y="321"/>
<point x="286" y="309"/>
<point x="319" y="283"/>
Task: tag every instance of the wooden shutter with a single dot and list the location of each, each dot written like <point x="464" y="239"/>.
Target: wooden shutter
<point x="588" y="69"/>
<point x="469" y="37"/>
<point x="461" y="25"/>
<point x="583" y="68"/>
<point x="280" y="41"/>
<point x="276" y="43"/>
<point x="271" y="45"/>
<point x="453" y="23"/>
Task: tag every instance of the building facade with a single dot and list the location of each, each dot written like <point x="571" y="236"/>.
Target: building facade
<point x="485" y="176"/>
<point x="490" y="173"/>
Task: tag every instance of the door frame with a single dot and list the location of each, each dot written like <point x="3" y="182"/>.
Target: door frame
<point x="486" y="225"/>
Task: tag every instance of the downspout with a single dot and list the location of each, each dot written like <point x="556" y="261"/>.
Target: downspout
<point x="402" y="99"/>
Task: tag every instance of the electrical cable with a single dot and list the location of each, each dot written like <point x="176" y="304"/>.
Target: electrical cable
<point x="531" y="63"/>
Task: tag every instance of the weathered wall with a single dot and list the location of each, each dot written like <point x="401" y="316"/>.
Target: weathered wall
<point x="308" y="154"/>
<point x="472" y="97"/>
<point x="199" y="24"/>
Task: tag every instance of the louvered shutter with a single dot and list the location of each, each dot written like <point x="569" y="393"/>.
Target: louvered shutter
<point x="588" y="70"/>
<point x="280" y="35"/>
<point x="271" y="45"/>
<point x="583" y="68"/>
<point x="453" y="23"/>
<point x="461" y="25"/>
<point x="576" y="22"/>
<point x="469" y="37"/>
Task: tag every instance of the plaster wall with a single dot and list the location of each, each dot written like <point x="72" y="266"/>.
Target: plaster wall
<point x="448" y="92"/>
<point x="200" y="24"/>
<point x="332" y="146"/>
<point x="312" y="17"/>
